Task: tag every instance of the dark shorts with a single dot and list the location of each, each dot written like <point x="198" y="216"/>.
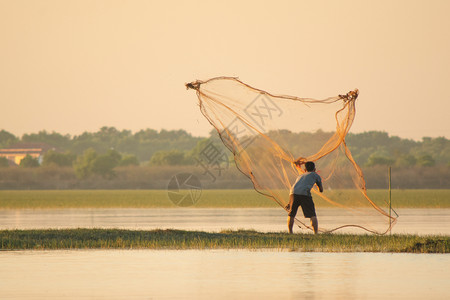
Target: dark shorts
<point x="305" y="202"/>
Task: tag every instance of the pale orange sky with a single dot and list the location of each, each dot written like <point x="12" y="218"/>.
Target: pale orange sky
<point x="74" y="66"/>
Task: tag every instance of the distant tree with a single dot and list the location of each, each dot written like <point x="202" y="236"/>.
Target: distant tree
<point x="376" y="159"/>
<point x="4" y="163"/>
<point x="368" y="139"/>
<point x="54" y="139"/>
<point x="378" y="143"/>
<point x="212" y="148"/>
<point x="148" y="143"/>
<point x="59" y="159"/>
<point x="171" y="158"/>
<point x="438" y="148"/>
<point x="84" y="164"/>
<point x="129" y="160"/>
<point x="92" y="163"/>
<point x="104" y="164"/>
<point x="146" y="135"/>
<point x="173" y="134"/>
<point x="7" y="138"/>
<point x="29" y="162"/>
<point x="426" y="160"/>
<point x="111" y="136"/>
<point x="406" y="160"/>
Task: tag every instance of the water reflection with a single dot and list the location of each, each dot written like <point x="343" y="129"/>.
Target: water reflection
<point x="221" y="274"/>
<point x="412" y="221"/>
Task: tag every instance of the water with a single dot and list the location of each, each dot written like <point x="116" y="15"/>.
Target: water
<point x="221" y="274"/>
<point x="411" y="221"/>
<point x="217" y="274"/>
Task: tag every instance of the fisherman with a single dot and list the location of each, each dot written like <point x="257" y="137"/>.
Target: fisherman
<point x="300" y="195"/>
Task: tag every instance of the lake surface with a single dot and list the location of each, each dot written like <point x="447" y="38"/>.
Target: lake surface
<point x="217" y="274"/>
<point x="411" y="221"/>
<point x="221" y="274"/>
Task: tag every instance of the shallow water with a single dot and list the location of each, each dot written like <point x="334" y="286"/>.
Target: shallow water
<point x="411" y="221"/>
<point x="221" y="274"/>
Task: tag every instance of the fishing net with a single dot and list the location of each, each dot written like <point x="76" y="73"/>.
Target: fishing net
<point x="271" y="138"/>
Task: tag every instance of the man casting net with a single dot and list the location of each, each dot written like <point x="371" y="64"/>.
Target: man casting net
<point x="259" y="129"/>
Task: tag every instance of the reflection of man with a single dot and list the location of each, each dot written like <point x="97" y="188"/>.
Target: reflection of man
<point x="300" y="195"/>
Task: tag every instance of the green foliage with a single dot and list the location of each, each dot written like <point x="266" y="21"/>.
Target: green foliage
<point x="300" y="143"/>
<point x="29" y="162"/>
<point x="59" y="159"/>
<point x="378" y="159"/>
<point x="144" y="144"/>
<point x="4" y="162"/>
<point x="210" y="144"/>
<point x="54" y="139"/>
<point x="438" y="148"/>
<point x="129" y="160"/>
<point x="426" y="160"/>
<point x="7" y="138"/>
<point x="195" y="152"/>
<point x="92" y="163"/>
<point x="406" y="160"/>
<point x="104" y="164"/>
<point x="405" y="153"/>
<point x="170" y="158"/>
<point x="85" y="163"/>
<point x="102" y="140"/>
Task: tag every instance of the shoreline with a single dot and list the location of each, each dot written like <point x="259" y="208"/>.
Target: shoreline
<point x="165" y="239"/>
<point x="241" y="198"/>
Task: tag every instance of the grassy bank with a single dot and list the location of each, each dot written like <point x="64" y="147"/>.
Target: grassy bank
<point x="36" y="199"/>
<point x="178" y="239"/>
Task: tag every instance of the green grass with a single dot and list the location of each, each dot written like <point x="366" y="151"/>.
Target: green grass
<point x="38" y="199"/>
<point x="400" y="198"/>
<point x="179" y="239"/>
<point x="84" y="199"/>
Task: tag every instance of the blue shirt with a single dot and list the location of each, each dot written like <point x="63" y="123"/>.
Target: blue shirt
<point x="305" y="182"/>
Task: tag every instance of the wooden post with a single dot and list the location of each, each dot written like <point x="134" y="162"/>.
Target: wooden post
<point x="390" y="199"/>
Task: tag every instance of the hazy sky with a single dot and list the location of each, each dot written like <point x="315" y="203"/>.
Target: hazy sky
<point x="74" y="66"/>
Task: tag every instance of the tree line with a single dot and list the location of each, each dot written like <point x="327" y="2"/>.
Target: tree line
<point x="101" y="152"/>
<point x="178" y="147"/>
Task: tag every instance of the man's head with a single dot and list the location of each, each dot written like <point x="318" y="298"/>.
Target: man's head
<point x="310" y="166"/>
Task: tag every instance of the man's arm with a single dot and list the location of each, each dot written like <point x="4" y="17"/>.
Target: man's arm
<point x="319" y="185"/>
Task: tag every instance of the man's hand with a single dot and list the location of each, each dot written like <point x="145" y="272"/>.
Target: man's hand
<point x="319" y="185"/>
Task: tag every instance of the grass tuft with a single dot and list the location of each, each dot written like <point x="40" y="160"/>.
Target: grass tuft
<point x="241" y="239"/>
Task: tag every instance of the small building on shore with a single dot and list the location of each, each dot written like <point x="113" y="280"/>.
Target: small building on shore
<point x="15" y="153"/>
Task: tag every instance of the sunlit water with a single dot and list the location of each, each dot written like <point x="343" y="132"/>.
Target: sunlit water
<point x="221" y="274"/>
<point x="411" y="221"/>
<point x="216" y="274"/>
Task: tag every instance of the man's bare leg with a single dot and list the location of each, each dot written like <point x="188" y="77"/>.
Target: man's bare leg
<point x="290" y="221"/>
<point x="314" y="224"/>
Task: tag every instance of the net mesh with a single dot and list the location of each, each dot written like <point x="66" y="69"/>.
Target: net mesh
<point x="257" y="127"/>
